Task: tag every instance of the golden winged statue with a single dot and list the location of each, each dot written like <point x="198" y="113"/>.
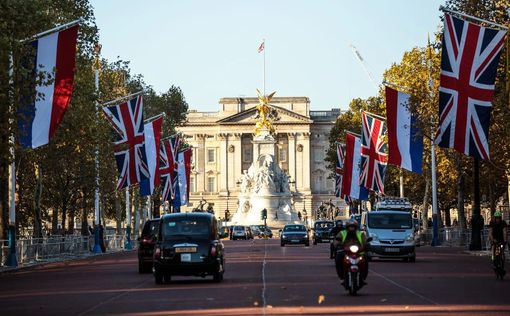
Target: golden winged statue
<point x="264" y="121"/>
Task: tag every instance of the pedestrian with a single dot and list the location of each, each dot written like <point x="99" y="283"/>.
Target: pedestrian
<point x="299" y="215"/>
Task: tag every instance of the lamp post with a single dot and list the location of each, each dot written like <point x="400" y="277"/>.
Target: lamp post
<point x="97" y="247"/>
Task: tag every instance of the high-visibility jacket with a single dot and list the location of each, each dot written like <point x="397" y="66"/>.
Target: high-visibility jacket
<point x="359" y="237"/>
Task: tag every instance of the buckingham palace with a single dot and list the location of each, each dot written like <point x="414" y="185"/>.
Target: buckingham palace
<point x="223" y="152"/>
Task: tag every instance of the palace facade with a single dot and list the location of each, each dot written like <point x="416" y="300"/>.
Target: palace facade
<point x="223" y="151"/>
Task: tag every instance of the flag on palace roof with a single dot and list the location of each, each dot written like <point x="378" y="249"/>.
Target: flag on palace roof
<point x="55" y="55"/>
<point x="127" y="120"/>
<point x="262" y="46"/>
<point x="405" y="138"/>
<point x="373" y="153"/>
<point x="152" y="135"/>
<point x="469" y="62"/>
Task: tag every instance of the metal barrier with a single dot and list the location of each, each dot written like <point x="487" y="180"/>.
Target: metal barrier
<point x="52" y="248"/>
<point x="453" y="237"/>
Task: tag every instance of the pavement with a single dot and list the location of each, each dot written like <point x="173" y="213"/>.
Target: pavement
<point x="261" y="278"/>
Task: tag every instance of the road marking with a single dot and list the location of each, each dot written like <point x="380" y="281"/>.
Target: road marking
<point x="264" y="303"/>
<point x="113" y="298"/>
<point x="405" y="288"/>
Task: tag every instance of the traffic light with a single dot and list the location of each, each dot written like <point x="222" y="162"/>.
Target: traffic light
<point x="263" y="214"/>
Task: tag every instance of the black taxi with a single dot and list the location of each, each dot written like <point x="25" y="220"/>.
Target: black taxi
<point x="188" y="244"/>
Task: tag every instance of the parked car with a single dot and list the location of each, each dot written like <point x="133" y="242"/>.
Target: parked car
<point x="255" y="230"/>
<point x="294" y="234"/>
<point x="321" y="231"/>
<point x="241" y="232"/>
<point x="146" y="243"/>
<point x="188" y="244"/>
<point x="249" y="232"/>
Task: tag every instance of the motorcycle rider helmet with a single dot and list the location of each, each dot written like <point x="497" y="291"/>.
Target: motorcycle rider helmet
<point x="352" y="223"/>
<point x="497" y="214"/>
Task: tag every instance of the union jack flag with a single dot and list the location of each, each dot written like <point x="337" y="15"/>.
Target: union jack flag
<point x="127" y="120"/>
<point x="168" y="169"/>
<point x="374" y="158"/>
<point x="339" y="170"/>
<point x="469" y="62"/>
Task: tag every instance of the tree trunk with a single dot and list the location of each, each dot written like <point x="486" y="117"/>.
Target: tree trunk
<point x="425" y="206"/>
<point x="72" y="215"/>
<point x="492" y="198"/>
<point x="447" y="217"/>
<point x="118" y="213"/>
<point x="54" y="222"/>
<point x="157" y="206"/>
<point x="460" y="195"/>
<point x="64" y="218"/>
<point x="84" y="216"/>
<point x="37" y="203"/>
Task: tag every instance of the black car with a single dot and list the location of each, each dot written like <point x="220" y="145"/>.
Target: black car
<point x="146" y="243"/>
<point x="264" y="231"/>
<point x="294" y="234"/>
<point x="188" y="244"/>
<point x="321" y="231"/>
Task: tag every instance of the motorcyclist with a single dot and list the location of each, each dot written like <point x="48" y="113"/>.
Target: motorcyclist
<point x="345" y="238"/>
<point x="498" y="232"/>
<point x="339" y="226"/>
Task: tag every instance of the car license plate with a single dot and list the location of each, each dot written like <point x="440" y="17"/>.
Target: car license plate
<point x="391" y="250"/>
<point x="294" y="240"/>
<point x="185" y="249"/>
<point x="185" y="257"/>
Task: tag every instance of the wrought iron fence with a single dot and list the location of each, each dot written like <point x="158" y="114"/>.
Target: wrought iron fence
<point x="453" y="237"/>
<point x="33" y="250"/>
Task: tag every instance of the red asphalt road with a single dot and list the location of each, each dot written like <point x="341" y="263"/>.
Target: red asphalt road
<point x="261" y="278"/>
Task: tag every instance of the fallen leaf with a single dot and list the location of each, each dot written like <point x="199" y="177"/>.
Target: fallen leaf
<point x="269" y="306"/>
<point x="407" y="307"/>
<point x="321" y="299"/>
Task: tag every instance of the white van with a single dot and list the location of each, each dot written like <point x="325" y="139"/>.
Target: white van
<point x="392" y="230"/>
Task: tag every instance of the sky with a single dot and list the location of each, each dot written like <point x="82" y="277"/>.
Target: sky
<point x="209" y="48"/>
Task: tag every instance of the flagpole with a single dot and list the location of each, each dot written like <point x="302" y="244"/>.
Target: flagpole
<point x="127" y="243"/>
<point x="401" y="183"/>
<point x="435" y="227"/>
<point x="53" y="30"/>
<point x="12" y="260"/>
<point x="129" y="96"/>
<point x="474" y="18"/>
<point x="264" y="41"/>
<point x="97" y="246"/>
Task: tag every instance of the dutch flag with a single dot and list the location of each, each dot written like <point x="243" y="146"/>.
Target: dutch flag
<point x="152" y="135"/>
<point x="405" y="138"/>
<point x="55" y="54"/>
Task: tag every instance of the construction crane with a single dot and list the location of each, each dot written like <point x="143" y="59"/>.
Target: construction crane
<point x="364" y="65"/>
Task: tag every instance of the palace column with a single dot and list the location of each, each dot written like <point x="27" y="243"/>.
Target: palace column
<point x="305" y="167"/>
<point x="237" y="164"/>
<point x="292" y="158"/>
<point x="223" y="163"/>
<point x="200" y="162"/>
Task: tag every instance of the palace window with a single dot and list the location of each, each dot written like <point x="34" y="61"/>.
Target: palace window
<point x="282" y="154"/>
<point x="247" y="157"/>
<point x="192" y="184"/>
<point x="211" y="153"/>
<point x="211" y="184"/>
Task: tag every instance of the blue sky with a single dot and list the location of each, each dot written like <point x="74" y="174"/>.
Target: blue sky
<point x="209" y="48"/>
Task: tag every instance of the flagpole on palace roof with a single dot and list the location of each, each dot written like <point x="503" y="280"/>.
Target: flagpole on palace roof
<point x="435" y="227"/>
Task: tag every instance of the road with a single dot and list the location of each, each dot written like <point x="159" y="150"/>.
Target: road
<point x="261" y="278"/>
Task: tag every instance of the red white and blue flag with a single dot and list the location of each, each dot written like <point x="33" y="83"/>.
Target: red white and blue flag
<point x="374" y="158"/>
<point x="405" y="138"/>
<point x="340" y="154"/>
<point x="152" y="134"/>
<point x="469" y="62"/>
<point x="352" y="160"/>
<point x="183" y="176"/>
<point x="168" y="167"/>
<point x="55" y="55"/>
<point x="127" y="120"/>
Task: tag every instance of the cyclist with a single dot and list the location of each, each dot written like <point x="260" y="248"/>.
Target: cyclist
<point x="498" y="232"/>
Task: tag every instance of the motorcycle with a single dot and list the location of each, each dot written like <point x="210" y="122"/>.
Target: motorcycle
<point x="354" y="267"/>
